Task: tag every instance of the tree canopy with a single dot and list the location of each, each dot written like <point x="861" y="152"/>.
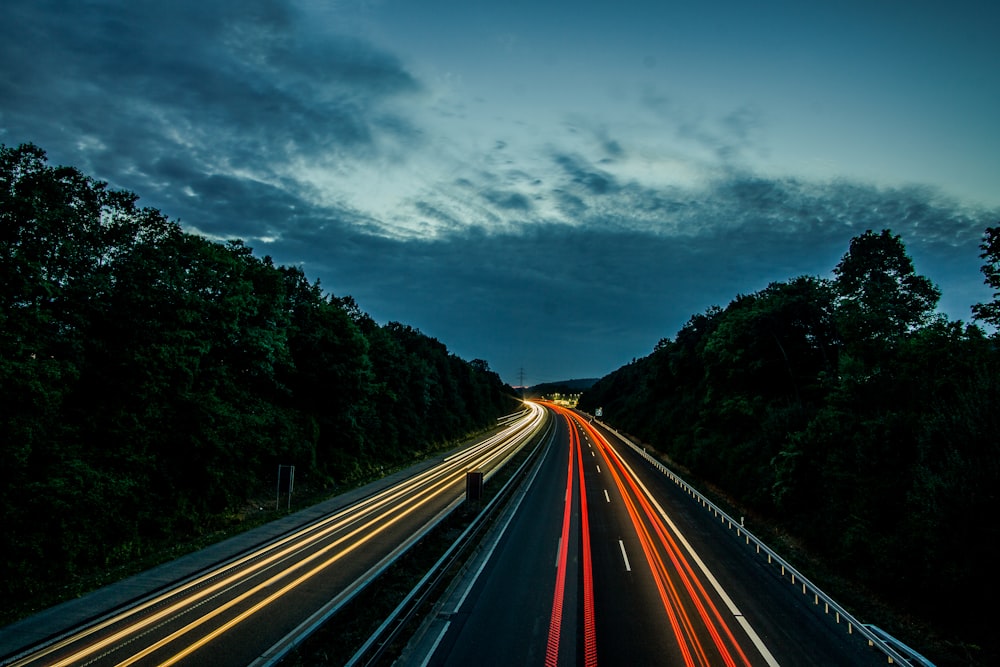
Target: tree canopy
<point x="990" y="312"/>
<point x="848" y="412"/>
<point x="879" y="295"/>
<point x="152" y="380"/>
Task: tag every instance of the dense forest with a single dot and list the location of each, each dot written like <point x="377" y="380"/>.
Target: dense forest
<point x="849" y="412"/>
<point x="151" y="379"/>
<point x="564" y="387"/>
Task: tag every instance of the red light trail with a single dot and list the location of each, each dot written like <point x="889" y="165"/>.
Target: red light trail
<point x="555" y="621"/>
<point x="703" y="636"/>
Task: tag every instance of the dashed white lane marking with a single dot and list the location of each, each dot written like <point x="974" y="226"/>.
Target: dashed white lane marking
<point x="628" y="567"/>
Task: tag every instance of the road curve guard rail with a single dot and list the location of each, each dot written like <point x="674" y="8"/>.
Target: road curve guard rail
<point x="895" y="651"/>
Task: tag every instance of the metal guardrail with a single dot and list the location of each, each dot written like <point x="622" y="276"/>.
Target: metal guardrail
<point x="373" y="648"/>
<point x="276" y="653"/>
<point x="879" y="640"/>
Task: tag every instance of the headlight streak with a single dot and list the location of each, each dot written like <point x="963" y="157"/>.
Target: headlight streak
<point x="424" y="497"/>
<point x="417" y="491"/>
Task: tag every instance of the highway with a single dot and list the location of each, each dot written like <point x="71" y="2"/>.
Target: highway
<point x="606" y="562"/>
<point x="250" y="609"/>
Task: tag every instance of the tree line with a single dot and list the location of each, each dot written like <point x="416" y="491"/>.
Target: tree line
<point x="850" y="413"/>
<point x="152" y="380"/>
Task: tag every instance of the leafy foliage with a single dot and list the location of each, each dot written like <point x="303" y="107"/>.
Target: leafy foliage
<point x="990" y="312"/>
<point x="152" y="380"/>
<point x="847" y="411"/>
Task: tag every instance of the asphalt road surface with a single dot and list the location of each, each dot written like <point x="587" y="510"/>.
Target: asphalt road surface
<point x="245" y="609"/>
<point x="604" y="560"/>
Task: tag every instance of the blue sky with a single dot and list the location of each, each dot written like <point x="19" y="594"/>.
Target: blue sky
<point x="550" y="186"/>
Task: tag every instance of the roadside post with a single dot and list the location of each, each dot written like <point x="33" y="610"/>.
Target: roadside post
<point x="286" y="480"/>
<point x="474" y="485"/>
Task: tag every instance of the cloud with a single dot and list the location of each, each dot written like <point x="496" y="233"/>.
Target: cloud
<point x="509" y="201"/>
<point x="730" y="137"/>
<point x="566" y="248"/>
<point x="583" y="174"/>
<point x="568" y="300"/>
<point x="195" y="95"/>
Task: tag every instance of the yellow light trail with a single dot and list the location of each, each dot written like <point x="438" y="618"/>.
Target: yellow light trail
<point x="421" y="488"/>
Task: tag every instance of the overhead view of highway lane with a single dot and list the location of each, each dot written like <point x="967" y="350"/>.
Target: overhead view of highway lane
<point x="604" y="562"/>
<point x="260" y="602"/>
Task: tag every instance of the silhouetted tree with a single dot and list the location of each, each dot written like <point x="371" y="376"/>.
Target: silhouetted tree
<point x="849" y="413"/>
<point x="151" y="379"/>
<point x="879" y="295"/>
<point x="990" y="312"/>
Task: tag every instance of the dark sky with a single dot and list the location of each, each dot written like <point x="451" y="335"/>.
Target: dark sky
<point x="550" y="186"/>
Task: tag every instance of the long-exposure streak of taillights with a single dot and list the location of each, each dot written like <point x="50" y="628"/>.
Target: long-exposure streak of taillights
<point x="682" y="565"/>
<point x="589" y="625"/>
<point x="555" y="618"/>
<point x="681" y="623"/>
<point x="558" y="597"/>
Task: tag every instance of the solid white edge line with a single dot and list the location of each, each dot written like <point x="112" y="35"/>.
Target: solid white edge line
<point x="434" y="646"/>
<point x="628" y="566"/>
<point x="751" y="633"/>
<point x="509" y="518"/>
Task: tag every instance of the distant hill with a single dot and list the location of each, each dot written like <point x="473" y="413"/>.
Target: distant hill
<point x="561" y="387"/>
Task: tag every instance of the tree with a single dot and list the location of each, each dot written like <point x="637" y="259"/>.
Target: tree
<point x="848" y="413"/>
<point x="151" y="379"/>
<point x="879" y="296"/>
<point x="331" y="377"/>
<point x="990" y="312"/>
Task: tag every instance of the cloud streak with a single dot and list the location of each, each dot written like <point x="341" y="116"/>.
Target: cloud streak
<point x="557" y="298"/>
<point x="565" y="242"/>
<point x="197" y="95"/>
